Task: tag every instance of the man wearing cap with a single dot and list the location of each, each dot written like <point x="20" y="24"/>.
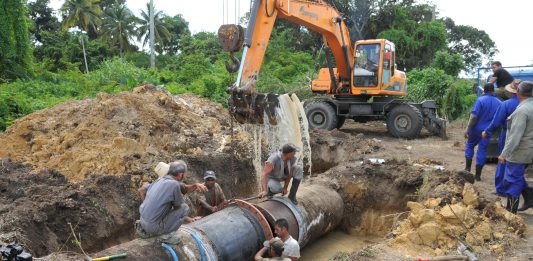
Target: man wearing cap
<point x="213" y="199"/>
<point x="281" y="166"/>
<point x="480" y="117"/>
<point x="274" y="248"/>
<point x="291" y="246"/>
<point x="518" y="150"/>
<point x="505" y="109"/>
<point x="501" y="77"/>
<point x="163" y="209"/>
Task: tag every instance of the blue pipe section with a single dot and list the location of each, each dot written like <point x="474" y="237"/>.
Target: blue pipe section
<point x="200" y="249"/>
<point x="172" y="252"/>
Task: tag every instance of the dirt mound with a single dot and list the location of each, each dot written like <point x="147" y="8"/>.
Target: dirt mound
<point x="436" y="225"/>
<point x="37" y="208"/>
<point x="124" y="133"/>
<point x="330" y="148"/>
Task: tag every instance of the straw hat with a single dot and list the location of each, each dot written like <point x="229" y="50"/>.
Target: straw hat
<point x="513" y="86"/>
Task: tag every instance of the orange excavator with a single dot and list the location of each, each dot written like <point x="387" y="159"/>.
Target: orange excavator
<point x="360" y="83"/>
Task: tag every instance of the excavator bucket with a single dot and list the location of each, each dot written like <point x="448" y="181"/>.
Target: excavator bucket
<point x="254" y="108"/>
<point x="245" y="106"/>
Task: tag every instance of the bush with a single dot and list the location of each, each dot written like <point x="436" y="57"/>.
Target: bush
<point x="428" y="84"/>
<point x="459" y="99"/>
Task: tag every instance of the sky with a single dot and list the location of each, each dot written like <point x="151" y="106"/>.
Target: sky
<point x="504" y="21"/>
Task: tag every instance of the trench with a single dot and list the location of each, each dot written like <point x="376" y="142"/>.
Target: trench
<point x="356" y="188"/>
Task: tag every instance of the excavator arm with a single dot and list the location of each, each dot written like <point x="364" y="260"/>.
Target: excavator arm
<point x="316" y="15"/>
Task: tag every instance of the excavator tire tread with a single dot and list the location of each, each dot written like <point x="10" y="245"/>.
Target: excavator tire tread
<point x="321" y="115"/>
<point x="405" y="116"/>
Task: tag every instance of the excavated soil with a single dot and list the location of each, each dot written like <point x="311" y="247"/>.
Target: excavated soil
<point x="79" y="164"/>
<point x="43" y="211"/>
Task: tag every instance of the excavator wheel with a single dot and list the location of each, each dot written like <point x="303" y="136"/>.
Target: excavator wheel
<point x="321" y="115"/>
<point x="340" y="121"/>
<point x="404" y="121"/>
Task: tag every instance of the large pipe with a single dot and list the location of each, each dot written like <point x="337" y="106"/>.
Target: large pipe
<point x="237" y="232"/>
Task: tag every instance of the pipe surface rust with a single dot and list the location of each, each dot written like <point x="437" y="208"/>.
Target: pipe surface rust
<point x="238" y="231"/>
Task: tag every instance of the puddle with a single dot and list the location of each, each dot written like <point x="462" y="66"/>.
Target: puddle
<point x="336" y="241"/>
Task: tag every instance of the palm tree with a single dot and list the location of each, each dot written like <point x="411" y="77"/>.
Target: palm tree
<point x="83" y="13"/>
<point x="162" y="35"/>
<point x="118" y="27"/>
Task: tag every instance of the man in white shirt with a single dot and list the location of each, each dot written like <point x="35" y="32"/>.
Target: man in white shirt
<point x="292" y="248"/>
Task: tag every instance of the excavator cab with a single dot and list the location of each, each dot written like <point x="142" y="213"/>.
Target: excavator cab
<point x="374" y="72"/>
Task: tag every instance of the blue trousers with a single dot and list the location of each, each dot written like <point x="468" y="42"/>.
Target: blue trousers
<point x="514" y="180"/>
<point x="500" y="169"/>
<point x="474" y="139"/>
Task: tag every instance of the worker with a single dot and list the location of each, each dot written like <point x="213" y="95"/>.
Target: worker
<point x="505" y="109"/>
<point x="213" y="199"/>
<point x="273" y="248"/>
<point x="282" y="166"/>
<point x="518" y="150"/>
<point x="501" y="77"/>
<point x="292" y="248"/>
<point x="163" y="209"/>
<point x="480" y="117"/>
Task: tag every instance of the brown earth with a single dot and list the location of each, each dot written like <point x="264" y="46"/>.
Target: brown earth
<point x="81" y="162"/>
<point x="445" y="208"/>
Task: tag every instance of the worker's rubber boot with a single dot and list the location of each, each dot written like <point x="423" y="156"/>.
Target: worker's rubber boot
<point x="512" y="204"/>
<point x="140" y="231"/>
<point x="270" y="194"/>
<point x="468" y="166"/>
<point x="528" y="199"/>
<point x="170" y="238"/>
<point x="508" y="204"/>
<point x="479" y="168"/>
<point x="294" y="189"/>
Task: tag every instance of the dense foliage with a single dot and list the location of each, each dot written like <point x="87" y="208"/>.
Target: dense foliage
<point x="433" y="51"/>
<point x="15" y="50"/>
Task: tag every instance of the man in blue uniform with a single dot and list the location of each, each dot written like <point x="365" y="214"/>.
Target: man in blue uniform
<point x="518" y="151"/>
<point x="500" y="121"/>
<point x="480" y="118"/>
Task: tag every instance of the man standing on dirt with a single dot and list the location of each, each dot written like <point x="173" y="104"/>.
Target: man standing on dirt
<point x="518" y="150"/>
<point x="163" y="209"/>
<point x="505" y="109"/>
<point x="291" y="246"/>
<point x="213" y="199"/>
<point x="281" y="166"/>
<point x="502" y="77"/>
<point x="480" y="118"/>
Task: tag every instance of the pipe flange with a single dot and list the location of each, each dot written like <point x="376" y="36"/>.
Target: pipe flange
<point x="297" y="214"/>
<point x="253" y="210"/>
<point x="206" y="247"/>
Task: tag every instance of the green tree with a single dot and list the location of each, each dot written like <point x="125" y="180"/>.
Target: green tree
<point x="417" y="41"/>
<point x="83" y="13"/>
<point x="162" y="35"/>
<point x="43" y="18"/>
<point x="15" y="55"/>
<point x="177" y="27"/>
<point x="118" y="27"/>
<point x="428" y="84"/>
<point x="452" y="64"/>
<point x="472" y="44"/>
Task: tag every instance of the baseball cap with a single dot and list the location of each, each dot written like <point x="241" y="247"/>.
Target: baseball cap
<point x="289" y="147"/>
<point x="209" y="174"/>
<point x="513" y="86"/>
<point x="275" y="243"/>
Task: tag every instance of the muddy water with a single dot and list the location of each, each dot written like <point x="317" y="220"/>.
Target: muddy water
<point x="334" y="242"/>
<point x="292" y="127"/>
